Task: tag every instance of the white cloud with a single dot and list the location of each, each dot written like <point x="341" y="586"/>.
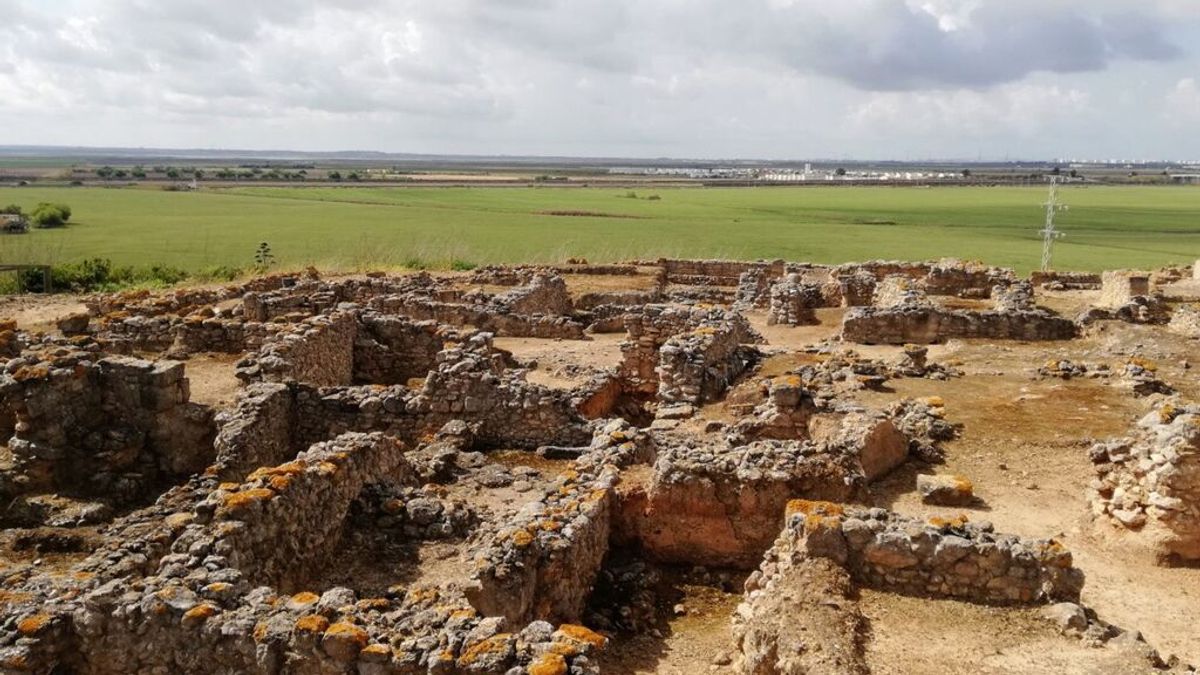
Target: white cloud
<point x="653" y="77"/>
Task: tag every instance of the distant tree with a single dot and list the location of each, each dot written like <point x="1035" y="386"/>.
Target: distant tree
<point x="335" y="175"/>
<point x="353" y="175"/>
<point x="1074" y="173"/>
<point x="198" y="174"/>
<point x="138" y="172"/>
<point x="966" y="173"/>
<point x="840" y="171"/>
<point x="1056" y="171"/>
<point x="105" y="172"/>
<point x="120" y="174"/>
<point x="173" y="173"/>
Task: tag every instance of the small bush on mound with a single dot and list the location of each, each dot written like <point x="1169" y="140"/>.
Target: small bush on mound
<point x="99" y="274"/>
<point x="50" y="215"/>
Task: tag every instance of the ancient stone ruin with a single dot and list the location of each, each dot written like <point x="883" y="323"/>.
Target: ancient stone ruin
<point x="512" y="470"/>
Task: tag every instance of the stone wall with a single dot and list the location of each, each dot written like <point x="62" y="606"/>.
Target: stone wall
<point x="111" y="428"/>
<point x="654" y="325"/>
<point x="935" y="557"/>
<point x="710" y="272"/>
<point x="918" y="324"/>
<point x="545" y="294"/>
<point x="723" y="506"/>
<point x="792" y="302"/>
<point x="393" y="350"/>
<point x="542" y="565"/>
<point x="1148" y="484"/>
<point x="965" y="279"/>
<point x="317" y="351"/>
<point x="283" y="522"/>
<point x="897" y="290"/>
<point x="259" y="430"/>
<point x="1120" y="287"/>
<point x="697" y="366"/>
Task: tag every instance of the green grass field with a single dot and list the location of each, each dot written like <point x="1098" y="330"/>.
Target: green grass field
<point x="358" y="228"/>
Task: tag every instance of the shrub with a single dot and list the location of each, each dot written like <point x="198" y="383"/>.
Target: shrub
<point x="46" y="214"/>
<point x="462" y="265"/>
<point x="12" y="210"/>
<point x="99" y="274"/>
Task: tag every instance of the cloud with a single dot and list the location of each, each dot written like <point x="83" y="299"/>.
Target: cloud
<point x="590" y="75"/>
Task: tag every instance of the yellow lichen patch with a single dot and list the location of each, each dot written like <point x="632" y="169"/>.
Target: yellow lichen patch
<point x="942" y="523"/>
<point x="240" y="500"/>
<point x="312" y="624"/>
<point x="31" y="625"/>
<point x="618" y="436"/>
<point x="550" y="526"/>
<point x="218" y="587"/>
<point x="522" y="538"/>
<point x="305" y="598"/>
<point x="467" y="613"/>
<point x="377" y="650"/>
<point x="548" y="664"/>
<point x="816" y="521"/>
<point x="934" y="401"/>
<point x="565" y="648"/>
<point x="583" y="634"/>
<point x="279" y="483"/>
<point x="199" y="613"/>
<point x="811" y="507"/>
<point x="1145" y="364"/>
<point x="597" y="495"/>
<point x="260" y="631"/>
<point x="327" y="468"/>
<point x="570" y="475"/>
<point x="496" y="644"/>
<point x="229" y="487"/>
<point x="962" y="484"/>
<point x="25" y="373"/>
<point x="348" y="631"/>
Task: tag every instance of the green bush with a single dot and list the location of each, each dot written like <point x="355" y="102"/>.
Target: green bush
<point x="12" y="210"/>
<point x="99" y="274"/>
<point x="462" y="265"/>
<point x="46" y="214"/>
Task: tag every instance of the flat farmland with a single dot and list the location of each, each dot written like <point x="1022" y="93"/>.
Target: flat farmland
<point x="363" y="227"/>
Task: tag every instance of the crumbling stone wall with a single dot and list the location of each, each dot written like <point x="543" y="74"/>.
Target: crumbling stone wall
<point x="723" y="506"/>
<point x="651" y="328"/>
<point x="259" y="430"/>
<point x="317" y="351"/>
<point x="710" y="272"/>
<point x="935" y="557"/>
<point x="897" y="290"/>
<point x="697" y="366"/>
<point x="545" y="294"/>
<point x="392" y="350"/>
<point x="1120" y="287"/>
<point x="965" y="279"/>
<point x="110" y="428"/>
<point x="1149" y="483"/>
<point x="482" y="316"/>
<point x="792" y="302"/>
<point x="283" y="522"/>
<point x="1185" y="320"/>
<point x="927" y="324"/>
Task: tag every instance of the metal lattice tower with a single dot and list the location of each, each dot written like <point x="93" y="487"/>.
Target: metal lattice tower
<point x="1049" y="234"/>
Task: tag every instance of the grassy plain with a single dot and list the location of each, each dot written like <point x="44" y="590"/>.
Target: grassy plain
<point x="359" y="228"/>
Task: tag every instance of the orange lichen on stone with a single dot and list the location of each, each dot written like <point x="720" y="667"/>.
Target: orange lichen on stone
<point x="31" y="625"/>
<point x="522" y="538"/>
<point x="934" y="401"/>
<point x="812" y="507"/>
<point x="550" y="526"/>
<point x="548" y="664"/>
<point x="312" y="624"/>
<point x="228" y="487"/>
<point x="25" y="373"/>
<point x="240" y="500"/>
<point x="349" y="632"/>
<point x="279" y="483"/>
<point x="943" y="523"/>
<point x="1145" y="364"/>
<point x="377" y="650"/>
<point x="498" y="643"/>
<point x="618" y="436"/>
<point x="199" y="614"/>
<point x="582" y="634"/>
<point x="305" y="598"/>
<point x="467" y="613"/>
<point x="178" y="520"/>
<point x="327" y="468"/>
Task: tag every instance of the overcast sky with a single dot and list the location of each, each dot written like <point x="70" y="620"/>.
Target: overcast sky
<point x="900" y="79"/>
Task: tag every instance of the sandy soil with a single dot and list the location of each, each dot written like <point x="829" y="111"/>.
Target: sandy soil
<point x="39" y="312"/>
<point x="563" y="364"/>
<point x="211" y="379"/>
